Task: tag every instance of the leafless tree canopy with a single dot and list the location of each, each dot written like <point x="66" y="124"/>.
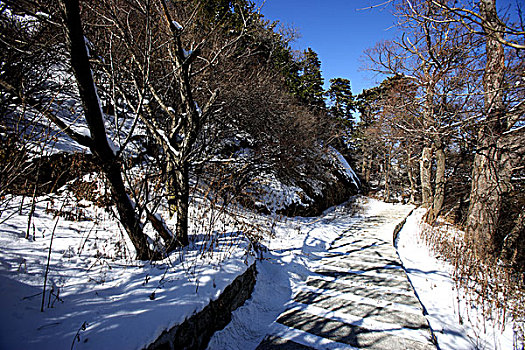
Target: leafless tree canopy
<point x="166" y="87"/>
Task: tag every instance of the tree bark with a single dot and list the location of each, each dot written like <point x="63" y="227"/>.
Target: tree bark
<point x="368" y="169"/>
<point x="386" y="170"/>
<point x="171" y="187"/>
<point x="426" y="176"/>
<point x="182" y="197"/>
<point x="439" y="190"/>
<point x="165" y="233"/>
<point x="125" y="208"/>
<point x="491" y="182"/>
<point x="410" y="169"/>
<point x="177" y="183"/>
<point x="486" y="191"/>
<point x="485" y="197"/>
<point x="363" y="163"/>
<point x="99" y="144"/>
<point x="511" y="251"/>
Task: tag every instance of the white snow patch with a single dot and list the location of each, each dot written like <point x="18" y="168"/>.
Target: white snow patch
<point x="97" y="291"/>
<point x="275" y="195"/>
<point x="347" y="168"/>
<point x="455" y="324"/>
<point x="177" y="25"/>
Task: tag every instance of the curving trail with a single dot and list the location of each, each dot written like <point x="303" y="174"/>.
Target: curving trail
<point x="356" y="295"/>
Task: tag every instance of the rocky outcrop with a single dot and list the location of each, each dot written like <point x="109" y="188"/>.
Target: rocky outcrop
<point x="335" y="189"/>
<point x="197" y="330"/>
<point x="305" y="191"/>
<point x="331" y="183"/>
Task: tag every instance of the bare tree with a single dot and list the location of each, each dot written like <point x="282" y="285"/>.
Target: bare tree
<point x="66" y="50"/>
<point x="499" y="142"/>
<point x="172" y="73"/>
<point x="198" y="78"/>
<point x="433" y="55"/>
<point x="499" y="136"/>
<point x="465" y="97"/>
<point x="98" y="141"/>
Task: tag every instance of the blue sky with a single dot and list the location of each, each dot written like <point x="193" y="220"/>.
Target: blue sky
<point x="339" y="31"/>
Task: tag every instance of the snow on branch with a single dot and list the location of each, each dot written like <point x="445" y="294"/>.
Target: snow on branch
<point x="177" y="26"/>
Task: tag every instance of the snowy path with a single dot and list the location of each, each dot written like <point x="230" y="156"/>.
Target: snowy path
<point x="357" y="296"/>
<point x="341" y="287"/>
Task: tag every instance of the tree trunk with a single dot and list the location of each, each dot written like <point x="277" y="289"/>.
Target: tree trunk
<point x="178" y="195"/>
<point x="410" y="169"/>
<point x="386" y="170"/>
<point x="182" y="134"/>
<point x="125" y="208"/>
<point x="439" y="190"/>
<point x="386" y="196"/>
<point x="368" y="171"/>
<point x="165" y="233"/>
<point x="486" y="192"/>
<point x="171" y="187"/>
<point x="491" y="182"/>
<point x="426" y="176"/>
<point x="99" y="143"/>
<point x="363" y="163"/>
<point x="512" y="251"/>
<point x="485" y="198"/>
<point x="182" y="197"/>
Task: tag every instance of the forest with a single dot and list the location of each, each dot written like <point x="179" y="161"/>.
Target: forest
<point x="446" y="130"/>
<point x="140" y="80"/>
<point x="181" y="119"/>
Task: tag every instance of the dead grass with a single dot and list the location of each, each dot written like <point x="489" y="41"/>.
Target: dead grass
<point x="489" y="285"/>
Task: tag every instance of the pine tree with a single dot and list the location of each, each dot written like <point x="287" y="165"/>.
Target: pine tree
<point x="310" y="89"/>
<point x="343" y="102"/>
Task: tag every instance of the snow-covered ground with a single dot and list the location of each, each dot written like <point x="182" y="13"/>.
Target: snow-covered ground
<point x="275" y="195"/>
<point x="455" y="324"/>
<point x="287" y="265"/>
<point x="97" y="296"/>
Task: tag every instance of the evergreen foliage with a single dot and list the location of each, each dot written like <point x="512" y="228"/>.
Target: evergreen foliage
<point x="342" y="100"/>
<point x="310" y="88"/>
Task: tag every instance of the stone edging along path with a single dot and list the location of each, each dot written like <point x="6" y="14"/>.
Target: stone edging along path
<point x="196" y="331"/>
